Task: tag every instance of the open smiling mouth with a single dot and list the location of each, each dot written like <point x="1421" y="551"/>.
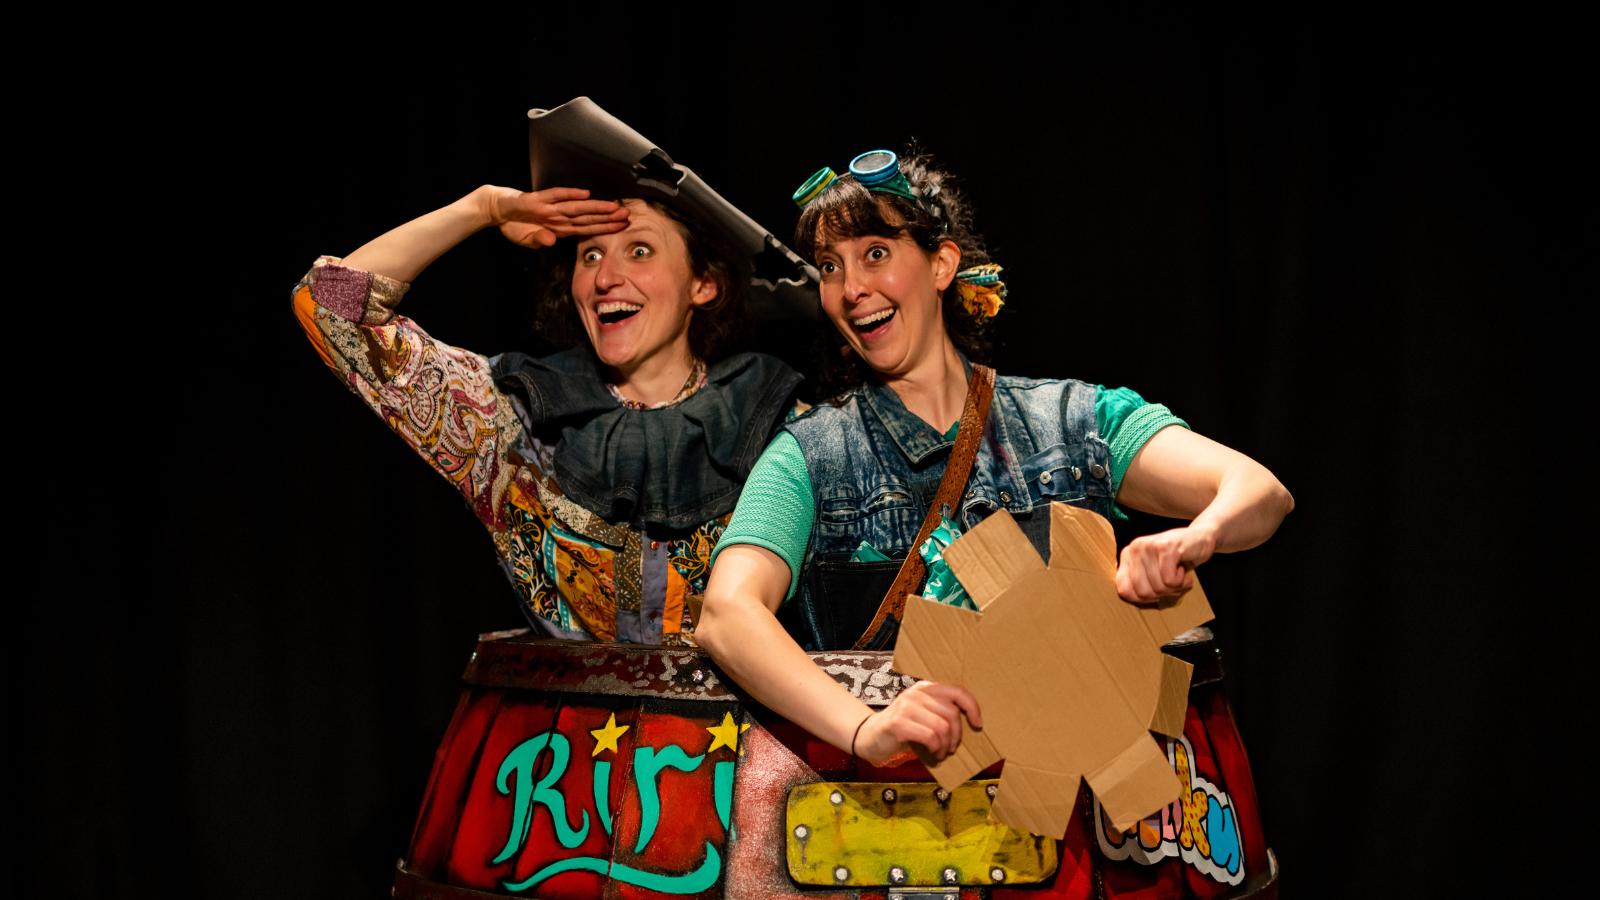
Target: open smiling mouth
<point x="871" y="323"/>
<point x="615" y="311"/>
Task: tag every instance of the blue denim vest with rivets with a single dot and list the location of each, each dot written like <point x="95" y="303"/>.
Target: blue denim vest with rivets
<point x="875" y="467"/>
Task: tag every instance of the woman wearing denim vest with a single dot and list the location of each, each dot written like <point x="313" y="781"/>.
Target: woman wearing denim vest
<point x="906" y="281"/>
<point x="605" y="473"/>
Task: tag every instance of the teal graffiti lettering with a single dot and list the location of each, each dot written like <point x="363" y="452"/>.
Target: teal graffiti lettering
<point x="520" y="766"/>
<point x="722" y="790"/>
<point x="704" y="876"/>
<point x="647" y="766"/>
<point x="602" y="792"/>
<point x="521" y="761"/>
<point x="1223" y="832"/>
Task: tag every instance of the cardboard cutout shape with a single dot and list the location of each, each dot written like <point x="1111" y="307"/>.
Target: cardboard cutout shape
<point x="1070" y="677"/>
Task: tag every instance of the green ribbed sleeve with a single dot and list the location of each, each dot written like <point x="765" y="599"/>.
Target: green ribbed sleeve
<point x="775" y="510"/>
<point x="1127" y="423"/>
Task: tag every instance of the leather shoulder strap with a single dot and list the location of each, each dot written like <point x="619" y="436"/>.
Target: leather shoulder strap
<point x="974" y="418"/>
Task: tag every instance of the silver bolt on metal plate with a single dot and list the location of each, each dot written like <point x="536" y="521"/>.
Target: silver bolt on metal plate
<point x="841" y="874"/>
<point x="948" y="875"/>
<point x="836" y="798"/>
<point x="897" y="875"/>
<point x="997" y="874"/>
<point x="941" y="795"/>
<point x="802" y="832"/>
<point x="889" y="795"/>
<point x="991" y="790"/>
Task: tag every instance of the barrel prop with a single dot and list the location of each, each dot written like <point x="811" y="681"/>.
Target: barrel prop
<point x="581" y="770"/>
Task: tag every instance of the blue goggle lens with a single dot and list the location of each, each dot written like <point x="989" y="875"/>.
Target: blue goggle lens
<point x="874" y="167"/>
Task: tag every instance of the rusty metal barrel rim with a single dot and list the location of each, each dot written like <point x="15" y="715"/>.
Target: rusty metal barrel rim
<point x="515" y="660"/>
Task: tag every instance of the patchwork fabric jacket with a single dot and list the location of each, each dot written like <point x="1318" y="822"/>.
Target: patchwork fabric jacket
<point x="623" y="553"/>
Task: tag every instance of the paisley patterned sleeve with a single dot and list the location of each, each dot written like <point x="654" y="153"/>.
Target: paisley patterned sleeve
<point x="441" y="400"/>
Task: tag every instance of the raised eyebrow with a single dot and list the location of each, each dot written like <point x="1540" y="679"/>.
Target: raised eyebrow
<point x="642" y="227"/>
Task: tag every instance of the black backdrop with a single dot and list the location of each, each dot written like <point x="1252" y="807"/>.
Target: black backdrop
<point x="1333" y="246"/>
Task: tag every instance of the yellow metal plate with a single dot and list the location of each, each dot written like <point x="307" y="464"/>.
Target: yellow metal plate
<point x="907" y="834"/>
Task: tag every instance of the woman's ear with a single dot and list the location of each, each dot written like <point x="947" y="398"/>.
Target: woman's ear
<point x="703" y="289"/>
<point x="946" y="262"/>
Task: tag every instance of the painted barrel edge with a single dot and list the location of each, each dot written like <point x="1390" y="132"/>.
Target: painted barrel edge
<point x="514" y="659"/>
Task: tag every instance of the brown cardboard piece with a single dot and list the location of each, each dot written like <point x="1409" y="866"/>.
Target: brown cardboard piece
<point x="1071" y="678"/>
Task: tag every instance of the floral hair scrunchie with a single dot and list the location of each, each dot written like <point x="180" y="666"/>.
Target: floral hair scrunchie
<point x="982" y="291"/>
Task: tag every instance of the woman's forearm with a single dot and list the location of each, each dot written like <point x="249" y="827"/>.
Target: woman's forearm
<point x="740" y="632"/>
<point x="1225" y="494"/>
<point x="402" y="253"/>
<point x="1249" y="505"/>
<point x="1231" y="501"/>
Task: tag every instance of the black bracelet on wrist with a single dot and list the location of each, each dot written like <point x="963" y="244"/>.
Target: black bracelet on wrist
<point x="856" y="735"/>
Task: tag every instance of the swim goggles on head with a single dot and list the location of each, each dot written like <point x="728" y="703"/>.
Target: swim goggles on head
<point x="875" y="170"/>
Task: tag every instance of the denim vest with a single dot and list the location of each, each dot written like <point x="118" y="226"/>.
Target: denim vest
<point x="875" y="467"/>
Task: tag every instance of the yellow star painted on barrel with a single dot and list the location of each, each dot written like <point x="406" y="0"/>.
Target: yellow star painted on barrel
<point x="606" y="738"/>
<point x="727" y="733"/>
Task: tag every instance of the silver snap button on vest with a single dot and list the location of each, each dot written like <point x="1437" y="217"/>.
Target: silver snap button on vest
<point x="1005" y="497"/>
<point x="1077" y="473"/>
<point x="1044" y="478"/>
<point x="1097" y="470"/>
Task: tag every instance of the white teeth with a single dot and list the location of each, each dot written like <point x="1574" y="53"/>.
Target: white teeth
<point x="878" y="316"/>
<point x="612" y="306"/>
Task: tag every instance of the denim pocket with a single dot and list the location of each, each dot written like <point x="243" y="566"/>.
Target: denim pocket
<point x="1097" y="466"/>
<point x="1052" y="474"/>
<point x="844" y="598"/>
<point x="841" y="508"/>
<point x="874" y="511"/>
<point x="887" y="497"/>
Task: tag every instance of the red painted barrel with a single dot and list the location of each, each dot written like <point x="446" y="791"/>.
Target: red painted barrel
<point x="581" y="770"/>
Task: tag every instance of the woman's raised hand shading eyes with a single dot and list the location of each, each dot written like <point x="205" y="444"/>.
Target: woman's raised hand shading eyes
<point x="540" y="218"/>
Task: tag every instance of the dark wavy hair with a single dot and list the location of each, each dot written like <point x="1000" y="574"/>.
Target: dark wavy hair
<point x="848" y="210"/>
<point x="712" y="327"/>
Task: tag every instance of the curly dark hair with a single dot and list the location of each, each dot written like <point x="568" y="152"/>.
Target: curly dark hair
<point x="848" y="210"/>
<point x="712" y="327"/>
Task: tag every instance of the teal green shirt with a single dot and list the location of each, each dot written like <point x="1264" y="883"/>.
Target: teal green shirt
<point x="775" y="510"/>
